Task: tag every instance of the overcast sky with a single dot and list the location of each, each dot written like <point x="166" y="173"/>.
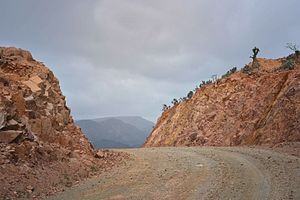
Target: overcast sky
<point x="128" y="57"/>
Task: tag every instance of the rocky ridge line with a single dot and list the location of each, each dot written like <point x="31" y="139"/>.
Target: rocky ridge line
<point x="258" y="105"/>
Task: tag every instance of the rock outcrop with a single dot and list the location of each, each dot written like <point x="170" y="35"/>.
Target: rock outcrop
<point x="38" y="139"/>
<point x="257" y="105"/>
<point x="32" y="106"/>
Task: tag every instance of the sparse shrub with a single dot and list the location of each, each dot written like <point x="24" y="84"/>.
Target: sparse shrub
<point x="293" y="47"/>
<point x="255" y="51"/>
<point x="246" y="69"/>
<point x="190" y="94"/>
<point x="231" y="71"/>
<point x="255" y="63"/>
<point x="174" y="102"/>
<point x="196" y="88"/>
<point x="288" y="65"/>
<point x="165" y="107"/>
<point x="208" y="82"/>
<point x="214" y="77"/>
<point x="94" y="168"/>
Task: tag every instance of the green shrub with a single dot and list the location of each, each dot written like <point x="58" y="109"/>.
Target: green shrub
<point x="94" y="168"/>
<point x="190" y="94"/>
<point x="288" y="65"/>
<point x="231" y="71"/>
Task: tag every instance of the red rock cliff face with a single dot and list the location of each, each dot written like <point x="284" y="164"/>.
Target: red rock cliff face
<point x="32" y="106"/>
<point x="260" y="105"/>
<point x="41" y="149"/>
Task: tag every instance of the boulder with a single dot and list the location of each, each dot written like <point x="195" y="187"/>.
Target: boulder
<point x="9" y="136"/>
<point x="32" y="85"/>
<point x="19" y="103"/>
<point x="16" y="54"/>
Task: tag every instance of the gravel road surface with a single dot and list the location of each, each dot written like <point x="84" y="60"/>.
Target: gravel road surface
<point x="196" y="173"/>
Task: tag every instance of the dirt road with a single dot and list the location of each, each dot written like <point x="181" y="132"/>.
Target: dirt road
<point x="196" y="173"/>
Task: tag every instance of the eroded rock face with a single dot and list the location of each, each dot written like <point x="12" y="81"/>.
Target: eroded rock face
<point x="31" y="104"/>
<point x="40" y="145"/>
<point x="260" y="105"/>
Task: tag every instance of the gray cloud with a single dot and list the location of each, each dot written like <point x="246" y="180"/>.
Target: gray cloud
<point x="128" y="57"/>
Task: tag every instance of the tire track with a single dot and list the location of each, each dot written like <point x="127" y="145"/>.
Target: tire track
<point x="196" y="173"/>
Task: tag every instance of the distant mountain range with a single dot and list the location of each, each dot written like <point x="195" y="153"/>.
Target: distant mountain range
<point x="116" y="132"/>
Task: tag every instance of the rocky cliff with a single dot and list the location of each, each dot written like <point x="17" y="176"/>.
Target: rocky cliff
<point x="38" y="139"/>
<point x="259" y="104"/>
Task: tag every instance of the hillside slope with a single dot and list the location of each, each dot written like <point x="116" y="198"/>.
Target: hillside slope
<point x="116" y="132"/>
<point x="137" y="121"/>
<point x="258" y="105"/>
<point x="41" y="149"/>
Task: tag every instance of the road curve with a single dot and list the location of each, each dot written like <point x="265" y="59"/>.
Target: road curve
<point x="196" y="173"/>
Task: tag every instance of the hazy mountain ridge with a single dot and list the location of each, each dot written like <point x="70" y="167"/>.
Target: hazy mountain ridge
<point x="137" y="121"/>
<point x="116" y="132"/>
